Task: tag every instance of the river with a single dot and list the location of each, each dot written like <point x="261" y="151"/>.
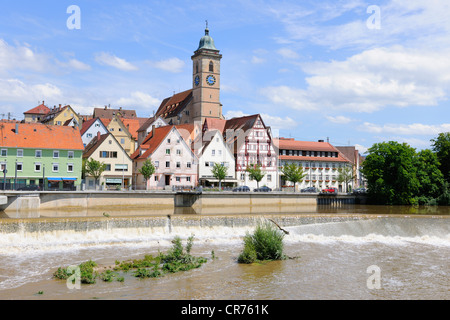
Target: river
<point x="353" y="252"/>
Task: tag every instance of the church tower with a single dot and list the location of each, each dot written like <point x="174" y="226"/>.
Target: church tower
<point x="206" y="80"/>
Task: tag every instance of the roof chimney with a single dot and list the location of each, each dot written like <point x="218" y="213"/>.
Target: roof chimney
<point x="17" y="128"/>
<point x="321" y="141"/>
<point x="153" y="130"/>
<point x="98" y="136"/>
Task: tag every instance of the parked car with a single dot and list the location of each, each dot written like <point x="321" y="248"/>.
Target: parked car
<point x="309" y="189"/>
<point x="359" y="190"/>
<point x="241" y="189"/>
<point x="329" y="190"/>
<point x="263" y="189"/>
<point x="30" y="188"/>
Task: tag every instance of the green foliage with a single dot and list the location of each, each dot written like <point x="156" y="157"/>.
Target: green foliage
<point x="147" y="169"/>
<point x="441" y="146"/>
<point x="293" y="173"/>
<point x="397" y="174"/>
<point x="345" y="175"/>
<point x="255" y="173"/>
<point x="175" y="260"/>
<point x="266" y="243"/>
<point x="94" y="168"/>
<point x="219" y="171"/>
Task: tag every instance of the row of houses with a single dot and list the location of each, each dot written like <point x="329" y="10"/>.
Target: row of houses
<point x="51" y="155"/>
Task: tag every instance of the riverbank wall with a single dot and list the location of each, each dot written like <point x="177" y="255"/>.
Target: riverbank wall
<point x="162" y="202"/>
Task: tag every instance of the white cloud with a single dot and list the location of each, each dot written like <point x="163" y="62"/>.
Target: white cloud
<point x="139" y="99"/>
<point x="257" y="60"/>
<point x="339" y="119"/>
<point x="362" y="149"/>
<point x="78" y="65"/>
<point x="14" y="90"/>
<point x="107" y="59"/>
<point x="21" y="57"/>
<point x="173" y="65"/>
<point x="405" y="129"/>
<point x="288" y="53"/>
<point x="370" y="81"/>
<point x="275" y="122"/>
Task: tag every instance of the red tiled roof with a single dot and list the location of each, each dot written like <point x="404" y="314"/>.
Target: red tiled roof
<point x="86" y="125"/>
<point x="133" y="125"/>
<point x="339" y="158"/>
<point x="40" y="136"/>
<point x="94" y="144"/>
<point x="40" y="109"/>
<point x="215" y="124"/>
<point x="291" y="144"/>
<point x="153" y="140"/>
<point x="173" y="105"/>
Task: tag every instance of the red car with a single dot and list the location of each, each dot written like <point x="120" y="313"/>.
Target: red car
<point x="329" y="190"/>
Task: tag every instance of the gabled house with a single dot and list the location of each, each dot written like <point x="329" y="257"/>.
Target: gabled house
<point x="106" y="149"/>
<point x="37" y="154"/>
<point x="59" y="115"/>
<point x="36" y="114"/>
<point x="146" y="127"/>
<point x="250" y="141"/>
<point x="175" y="163"/>
<point x="90" y="128"/>
<point x="116" y="126"/>
<point x="108" y="113"/>
<point x="214" y="150"/>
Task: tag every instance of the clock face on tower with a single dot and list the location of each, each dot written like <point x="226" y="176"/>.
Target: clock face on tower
<point x="197" y="80"/>
<point x="210" y="80"/>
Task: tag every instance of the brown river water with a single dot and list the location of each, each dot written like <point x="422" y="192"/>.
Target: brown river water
<point x="354" y="252"/>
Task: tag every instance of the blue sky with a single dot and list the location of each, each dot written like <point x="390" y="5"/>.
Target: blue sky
<point x="356" y="72"/>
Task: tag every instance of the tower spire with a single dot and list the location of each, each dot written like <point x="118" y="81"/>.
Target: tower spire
<point x="206" y="29"/>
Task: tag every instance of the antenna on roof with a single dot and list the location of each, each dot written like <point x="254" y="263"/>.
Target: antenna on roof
<point x="328" y="139"/>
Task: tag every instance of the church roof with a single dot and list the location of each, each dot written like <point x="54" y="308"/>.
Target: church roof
<point x="172" y="106"/>
<point x="206" y="42"/>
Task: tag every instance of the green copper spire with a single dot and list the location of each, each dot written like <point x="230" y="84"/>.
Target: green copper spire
<point x="206" y="42"/>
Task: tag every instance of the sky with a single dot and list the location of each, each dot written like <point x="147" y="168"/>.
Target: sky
<point x="350" y="72"/>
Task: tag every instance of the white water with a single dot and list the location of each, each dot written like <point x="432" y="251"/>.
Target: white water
<point x="421" y="245"/>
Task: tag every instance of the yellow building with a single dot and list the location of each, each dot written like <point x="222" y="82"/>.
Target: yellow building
<point x="119" y="130"/>
<point x="60" y="115"/>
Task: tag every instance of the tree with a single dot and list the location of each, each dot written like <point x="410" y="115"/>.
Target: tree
<point x="390" y="170"/>
<point x="345" y="176"/>
<point x="255" y="173"/>
<point x="441" y="145"/>
<point x="430" y="178"/>
<point x="94" y="169"/>
<point x="219" y="171"/>
<point x="147" y="170"/>
<point x="293" y="173"/>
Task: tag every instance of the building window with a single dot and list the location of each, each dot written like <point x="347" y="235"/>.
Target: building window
<point x="167" y="151"/>
<point x="168" y="140"/>
<point x="178" y="179"/>
<point x="37" y="166"/>
<point x="107" y="167"/>
<point x="70" y="167"/>
<point x="19" y="166"/>
<point x="2" y="166"/>
<point x="211" y="66"/>
<point x="156" y="178"/>
<point x="55" y="153"/>
<point x="188" y="179"/>
<point x="213" y="152"/>
<point x="58" y="123"/>
<point x="121" y="167"/>
<point x="269" y="177"/>
<point x="4" y="152"/>
<point x="70" y="154"/>
<point x="156" y="164"/>
<point x="167" y="164"/>
<point x="122" y="140"/>
<point x="178" y="152"/>
<point x="55" y="167"/>
<point x="178" y="165"/>
<point x="88" y="135"/>
<point x="188" y="165"/>
<point x="20" y="152"/>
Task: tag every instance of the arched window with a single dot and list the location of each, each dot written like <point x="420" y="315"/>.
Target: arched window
<point x="196" y="67"/>
<point x="211" y="66"/>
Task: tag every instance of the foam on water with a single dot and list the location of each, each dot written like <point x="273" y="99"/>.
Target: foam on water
<point x="45" y="238"/>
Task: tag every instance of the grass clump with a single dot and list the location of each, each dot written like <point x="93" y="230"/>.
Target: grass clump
<point x="176" y="259"/>
<point x="266" y="243"/>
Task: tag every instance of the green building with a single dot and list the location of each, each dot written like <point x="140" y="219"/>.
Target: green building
<point x="34" y="154"/>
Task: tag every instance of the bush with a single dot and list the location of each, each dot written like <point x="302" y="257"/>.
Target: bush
<point x="266" y="243"/>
